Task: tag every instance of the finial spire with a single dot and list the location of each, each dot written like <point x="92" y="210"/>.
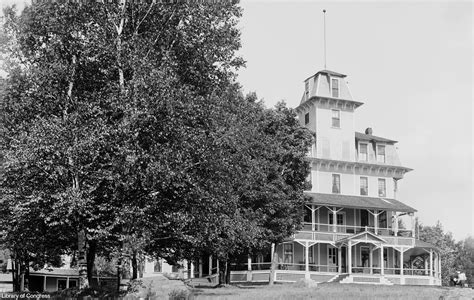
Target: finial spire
<point x="324" y="12"/>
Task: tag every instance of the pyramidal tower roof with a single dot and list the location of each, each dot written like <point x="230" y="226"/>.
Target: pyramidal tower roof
<point x="327" y="84"/>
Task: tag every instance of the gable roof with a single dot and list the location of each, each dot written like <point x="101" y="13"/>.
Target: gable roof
<point x="369" y="137"/>
<point x="359" y="202"/>
<point x="369" y="236"/>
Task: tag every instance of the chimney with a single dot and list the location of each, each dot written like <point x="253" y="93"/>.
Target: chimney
<point x="368" y="131"/>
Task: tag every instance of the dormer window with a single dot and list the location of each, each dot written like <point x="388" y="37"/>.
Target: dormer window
<point x="336" y="118"/>
<point x="335" y="87"/>
<point x="363" y="152"/>
<point x="381" y="153"/>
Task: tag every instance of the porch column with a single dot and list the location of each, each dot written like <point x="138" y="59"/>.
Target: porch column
<point x="395" y="226"/>
<point x="381" y="260"/>
<point x="217" y="267"/>
<point x="349" y="256"/>
<point x="402" y="279"/>
<point x="431" y="263"/>
<point x="306" y="261"/>
<point x="210" y="264"/>
<point x="371" y="256"/>
<point x="192" y="270"/>
<point x="334" y="219"/>
<point x="412" y="225"/>
<point x="312" y="218"/>
<point x="439" y="266"/>
<point x="44" y="283"/>
<point x="376" y="222"/>
<point x="339" y="260"/>
<point x="67" y="282"/>
<point x="200" y="267"/>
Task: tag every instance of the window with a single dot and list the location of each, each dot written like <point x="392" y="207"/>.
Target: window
<point x="306" y="118"/>
<point x="157" y="266"/>
<point x="62" y="284"/>
<point x="307" y="215"/>
<point x="72" y="283"/>
<point x="336" y="120"/>
<point x="381" y="187"/>
<point x="335" y="87"/>
<point x="381" y="153"/>
<point x="364" y="186"/>
<point x="340" y="221"/>
<point x="288" y="253"/>
<point x="363" y="152"/>
<point x="332" y="255"/>
<point x="336" y="184"/>
<point x="383" y="220"/>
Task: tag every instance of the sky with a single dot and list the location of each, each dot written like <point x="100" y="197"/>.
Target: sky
<point x="410" y="63"/>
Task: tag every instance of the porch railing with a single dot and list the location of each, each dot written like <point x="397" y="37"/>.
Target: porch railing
<point x="354" y="229"/>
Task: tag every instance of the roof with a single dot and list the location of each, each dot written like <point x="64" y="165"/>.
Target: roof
<point x="56" y="272"/>
<point x="329" y="73"/>
<point x="365" y="235"/>
<point x="359" y="202"/>
<point x="369" y="137"/>
<point x="423" y="244"/>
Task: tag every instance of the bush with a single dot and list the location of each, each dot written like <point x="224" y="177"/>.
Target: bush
<point x="178" y="294"/>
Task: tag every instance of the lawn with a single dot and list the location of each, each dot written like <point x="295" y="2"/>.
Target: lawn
<point x="333" y="291"/>
<point x="161" y="288"/>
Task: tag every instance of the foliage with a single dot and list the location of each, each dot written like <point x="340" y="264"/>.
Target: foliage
<point x="444" y="241"/>
<point x="125" y="122"/>
<point x="465" y="258"/>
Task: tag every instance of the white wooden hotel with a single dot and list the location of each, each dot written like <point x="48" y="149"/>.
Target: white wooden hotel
<point x="351" y="228"/>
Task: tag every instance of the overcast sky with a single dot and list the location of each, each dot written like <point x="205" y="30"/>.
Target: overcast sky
<point x="411" y="65"/>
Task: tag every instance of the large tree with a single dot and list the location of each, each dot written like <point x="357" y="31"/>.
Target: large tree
<point x="125" y="132"/>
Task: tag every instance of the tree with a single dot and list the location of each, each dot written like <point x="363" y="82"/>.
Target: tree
<point x="465" y="258"/>
<point x="126" y="132"/>
<point x="73" y="100"/>
<point x="435" y="235"/>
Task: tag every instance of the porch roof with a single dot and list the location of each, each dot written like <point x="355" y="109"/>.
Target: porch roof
<point x="365" y="236"/>
<point x="359" y="202"/>
<point x="422" y="244"/>
<point x="55" y="272"/>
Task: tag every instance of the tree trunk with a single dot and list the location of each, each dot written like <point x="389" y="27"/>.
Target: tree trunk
<point x="16" y="284"/>
<point x="81" y="260"/>
<point x="227" y="272"/>
<point x="134" y="265"/>
<point x="90" y="257"/>
<point x="119" y="273"/>
<point x="273" y="268"/>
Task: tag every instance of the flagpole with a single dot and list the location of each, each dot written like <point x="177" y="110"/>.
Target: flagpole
<point x="324" y="12"/>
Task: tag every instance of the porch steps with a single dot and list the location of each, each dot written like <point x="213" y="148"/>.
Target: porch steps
<point x="366" y="279"/>
<point x="338" y="278"/>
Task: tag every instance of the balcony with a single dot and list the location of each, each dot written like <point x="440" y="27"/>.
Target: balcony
<point x="332" y="233"/>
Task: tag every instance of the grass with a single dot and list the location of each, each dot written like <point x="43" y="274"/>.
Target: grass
<point x="333" y="291"/>
<point x="162" y="288"/>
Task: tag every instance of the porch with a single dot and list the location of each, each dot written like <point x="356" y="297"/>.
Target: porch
<point x="361" y="258"/>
